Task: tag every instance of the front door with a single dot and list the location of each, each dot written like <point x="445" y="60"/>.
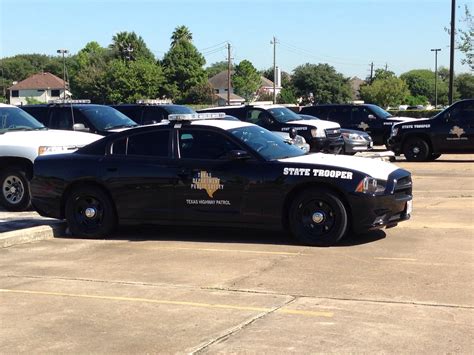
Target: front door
<point x="455" y="131"/>
<point x="211" y="187"/>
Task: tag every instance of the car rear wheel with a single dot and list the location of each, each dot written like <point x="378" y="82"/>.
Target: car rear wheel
<point x="15" y="194"/>
<point x="90" y="212"/>
<point x="416" y="149"/>
<point x="318" y="217"/>
<point x="434" y="156"/>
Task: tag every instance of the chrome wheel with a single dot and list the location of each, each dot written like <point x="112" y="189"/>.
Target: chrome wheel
<point x="13" y="189"/>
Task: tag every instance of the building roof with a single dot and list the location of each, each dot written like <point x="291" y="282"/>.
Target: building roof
<point x="233" y="97"/>
<point x="220" y="80"/>
<point x="39" y="81"/>
<point x="355" y="84"/>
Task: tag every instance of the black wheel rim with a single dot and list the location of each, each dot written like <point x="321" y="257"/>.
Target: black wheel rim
<point x="88" y="213"/>
<point x="317" y="217"/>
<point x="416" y="150"/>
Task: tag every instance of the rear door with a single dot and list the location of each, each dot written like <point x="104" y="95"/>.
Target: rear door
<point x="363" y="119"/>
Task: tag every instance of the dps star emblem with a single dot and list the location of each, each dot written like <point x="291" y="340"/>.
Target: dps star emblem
<point x="458" y="131"/>
<point x="363" y="125"/>
<point x="205" y="181"/>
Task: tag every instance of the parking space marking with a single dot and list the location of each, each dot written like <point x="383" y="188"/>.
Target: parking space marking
<point x="394" y="259"/>
<point x="227" y="250"/>
<point x="176" y="303"/>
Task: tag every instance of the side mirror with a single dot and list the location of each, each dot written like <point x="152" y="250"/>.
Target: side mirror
<point x="238" y="155"/>
<point x="293" y="133"/>
<point x="80" y="127"/>
<point x="371" y="117"/>
<point x="150" y="122"/>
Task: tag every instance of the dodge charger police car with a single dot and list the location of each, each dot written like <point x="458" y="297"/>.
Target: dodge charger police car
<point x="196" y="171"/>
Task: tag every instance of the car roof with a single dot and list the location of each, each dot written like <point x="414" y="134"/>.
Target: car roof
<point x="7" y="105"/>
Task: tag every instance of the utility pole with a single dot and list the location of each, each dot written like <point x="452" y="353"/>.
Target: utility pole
<point x="274" y="42"/>
<point x="386" y="67"/>
<point x="229" y="65"/>
<point x="63" y="52"/>
<point x="451" y="51"/>
<point x="436" y="50"/>
<point x="371" y="71"/>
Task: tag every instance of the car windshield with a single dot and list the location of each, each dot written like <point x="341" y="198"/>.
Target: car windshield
<point x="15" y="119"/>
<point x="269" y="145"/>
<point x="380" y="112"/>
<point x="179" y="109"/>
<point x="104" y="117"/>
<point x="283" y="114"/>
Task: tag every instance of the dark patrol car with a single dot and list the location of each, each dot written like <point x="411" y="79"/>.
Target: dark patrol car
<point x="79" y="115"/>
<point x="363" y="117"/>
<point x="320" y="135"/>
<point x="450" y="131"/>
<point x="149" y="113"/>
<point x="192" y="171"/>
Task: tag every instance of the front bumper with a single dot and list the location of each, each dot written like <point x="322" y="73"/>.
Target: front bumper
<point x="327" y="145"/>
<point x="395" y="144"/>
<point x="378" y="211"/>
<point x="354" y="146"/>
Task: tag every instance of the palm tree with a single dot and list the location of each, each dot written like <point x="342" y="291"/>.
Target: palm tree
<point x="129" y="46"/>
<point x="181" y="33"/>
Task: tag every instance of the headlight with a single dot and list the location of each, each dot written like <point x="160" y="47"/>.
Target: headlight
<point x="394" y="131"/>
<point x="353" y="136"/>
<point x="54" y="149"/>
<point x="314" y="132"/>
<point x="371" y="186"/>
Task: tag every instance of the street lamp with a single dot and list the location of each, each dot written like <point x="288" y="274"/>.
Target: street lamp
<point x="436" y="50"/>
<point x="63" y="52"/>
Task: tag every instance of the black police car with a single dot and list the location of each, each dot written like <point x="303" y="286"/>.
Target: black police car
<point x="148" y="113"/>
<point x="363" y="117"/>
<point x="79" y="115"/>
<point x="219" y="173"/>
<point x="450" y="131"/>
<point x="320" y="135"/>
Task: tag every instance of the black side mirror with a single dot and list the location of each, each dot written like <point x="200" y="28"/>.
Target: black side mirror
<point x="238" y="155"/>
<point x="371" y="117"/>
<point x="293" y="133"/>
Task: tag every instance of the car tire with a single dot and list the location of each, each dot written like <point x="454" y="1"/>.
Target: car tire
<point x="15" y="187"/>
<point x="90" y="212"/>
<point x="318" y="217"/>
<point x="416" y="149"/>
<point x="433" y="157"/>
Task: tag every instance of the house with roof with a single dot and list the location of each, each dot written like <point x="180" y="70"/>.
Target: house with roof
<point x="42" y="87"/>
<point x="220" y="86"/>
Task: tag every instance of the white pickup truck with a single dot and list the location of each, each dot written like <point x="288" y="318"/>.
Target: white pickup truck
<point x="22" y="139"/>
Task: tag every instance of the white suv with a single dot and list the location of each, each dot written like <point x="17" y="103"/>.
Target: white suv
<point x="22" y="139"/>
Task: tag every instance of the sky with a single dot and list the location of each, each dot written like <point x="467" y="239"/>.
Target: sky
<point x="347" y="34"/>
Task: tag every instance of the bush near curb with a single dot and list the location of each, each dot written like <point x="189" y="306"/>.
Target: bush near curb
<point x="415" y="113"/>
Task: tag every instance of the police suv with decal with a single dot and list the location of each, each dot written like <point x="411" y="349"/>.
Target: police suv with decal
<point x="195" y="170"/>
<point x="22" y="139"/>
<point x="320" y="135"/>
<point x="450" y="131"/>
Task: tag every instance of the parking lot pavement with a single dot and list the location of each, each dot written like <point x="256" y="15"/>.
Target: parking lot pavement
<point x="168" y="289"/>
<point x="12" y="221"/>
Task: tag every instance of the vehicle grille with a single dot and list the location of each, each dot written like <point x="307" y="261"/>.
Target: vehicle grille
<point x="333" y="132"/>
<point x="403" y="186"/>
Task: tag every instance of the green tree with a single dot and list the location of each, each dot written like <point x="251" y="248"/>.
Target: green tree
<point x="183" y="69"/>
<point x="466" y="38"/>
<point x="200" y="94"/>
<point x="390" y="91"/>
<point x="128" y="46"/>
<point x="216" y="68"/>
<point x="128" y="82"/>
<point x="246" y="80"/>
<point x="320" y="83"/>
<point x="181" y="33"/>
<point x="287" y="96"/>
<point x="421" y="82"/>
<point x="465" y="85"/>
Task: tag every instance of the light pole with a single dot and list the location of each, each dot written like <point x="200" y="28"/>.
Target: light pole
<point x="63" y="52"/>
<point x="436" y="50"/>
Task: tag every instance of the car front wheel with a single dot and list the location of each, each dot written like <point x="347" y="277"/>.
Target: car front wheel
<point x="15" y="194"/>
<point x="416" y="149"/>
<point x="90" y="212"/>
<point x="318" y="217"/>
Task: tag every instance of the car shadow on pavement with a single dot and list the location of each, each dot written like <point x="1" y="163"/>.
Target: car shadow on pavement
<point x="144" y="233"/>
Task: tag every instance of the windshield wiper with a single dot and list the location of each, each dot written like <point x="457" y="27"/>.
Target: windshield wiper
<point x="122" y="126"/>
<point x="19" y="129"/>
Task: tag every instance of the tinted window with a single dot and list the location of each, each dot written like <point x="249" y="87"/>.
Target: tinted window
<point x="360" y="114"/>
<point x="64" y="118"/>
<point x="14" y="119"/>
<point x="150" y="144"/>
<point x="283" y="114"/>
<point x="132" y="112"/>
<point x="40" y="113"/>
<point x="119" y="147"/>
<point x="104" y="117"/>
<point x="463" y="112"/>
<point x="152" y="115"/>
<point x="194" y="144"/>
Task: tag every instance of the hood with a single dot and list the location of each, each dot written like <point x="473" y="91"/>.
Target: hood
<point x="36" y="139"/>
<point x="402" y="119"/>
<point x="372" y="167"/>
<point x="419" y="121"/>
<point x="317" y="123"/>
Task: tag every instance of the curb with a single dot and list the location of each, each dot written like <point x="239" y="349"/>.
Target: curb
<point x="33" y="234"/>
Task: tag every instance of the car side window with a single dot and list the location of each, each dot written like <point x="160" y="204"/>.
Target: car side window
<point x="253" y="116"/>
<point x="152" y="115"/>
<point x="360" y="114"/>
<point x="154" y="144"/>
<point x="464" y="113"/>
<point x="197" y="144"/>
<point x="62" y="118"/>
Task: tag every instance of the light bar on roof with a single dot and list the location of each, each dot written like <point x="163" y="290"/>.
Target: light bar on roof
<point x="154" y="101"/>
<point x="69" y="101"/>
<point x="195" y="116"/>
